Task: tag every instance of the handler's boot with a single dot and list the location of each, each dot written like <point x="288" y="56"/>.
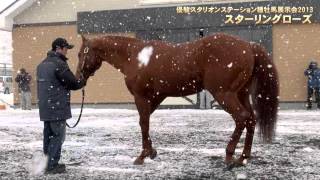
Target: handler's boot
<point x="309" y="105"/>
<point x="59" y="169"/>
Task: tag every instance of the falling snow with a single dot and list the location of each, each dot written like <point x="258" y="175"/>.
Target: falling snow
<point x="191" y="143"/>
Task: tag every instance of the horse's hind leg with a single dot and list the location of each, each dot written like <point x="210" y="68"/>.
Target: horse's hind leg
<point x="231" y="103"/>
<point x="250" y="126"/>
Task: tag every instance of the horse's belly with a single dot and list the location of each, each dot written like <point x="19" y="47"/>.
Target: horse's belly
<point x="179" y="88"/>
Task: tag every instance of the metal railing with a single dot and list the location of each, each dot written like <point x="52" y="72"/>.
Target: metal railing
<point x="5" y="69"/>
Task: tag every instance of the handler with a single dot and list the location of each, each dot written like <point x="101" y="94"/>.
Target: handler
<point x="55" y="80"/>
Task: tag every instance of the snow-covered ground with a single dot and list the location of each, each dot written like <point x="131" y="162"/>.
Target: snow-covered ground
<point x="190" y="145"/>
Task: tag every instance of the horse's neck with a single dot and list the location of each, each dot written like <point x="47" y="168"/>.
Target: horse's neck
<point x="120" y="51"/>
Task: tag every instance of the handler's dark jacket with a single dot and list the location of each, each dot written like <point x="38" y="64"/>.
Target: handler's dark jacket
<point x="55" y="80"/>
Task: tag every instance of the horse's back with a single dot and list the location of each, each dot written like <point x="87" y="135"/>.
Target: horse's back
<point x="217" y="59"/>
<point x="225" y="60"/>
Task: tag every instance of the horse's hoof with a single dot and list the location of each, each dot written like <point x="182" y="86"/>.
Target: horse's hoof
<point x="232" y="165"/>
<point x="153" y="154"/>
<point x="138" y="161"/>
<point x="229" y="160"/>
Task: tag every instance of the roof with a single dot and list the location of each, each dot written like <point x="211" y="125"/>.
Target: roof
<point x="7" y="14"/>
<point x="8" y="6"/>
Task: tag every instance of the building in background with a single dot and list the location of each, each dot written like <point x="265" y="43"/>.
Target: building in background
<point x="292" y="38"/>
<point x="6" y="79"/>
<point x="6" y="85"/>
<point x="5" y="47"/>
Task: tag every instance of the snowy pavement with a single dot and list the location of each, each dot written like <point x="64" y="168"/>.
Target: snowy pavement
<point x="190" y="145"/>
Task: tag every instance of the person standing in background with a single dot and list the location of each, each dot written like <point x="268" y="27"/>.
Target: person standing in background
<point x="23" y="79"/>
<point x="313" y="75"/>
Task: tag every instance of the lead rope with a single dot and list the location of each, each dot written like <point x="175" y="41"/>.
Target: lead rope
<point x="83" y="93"/>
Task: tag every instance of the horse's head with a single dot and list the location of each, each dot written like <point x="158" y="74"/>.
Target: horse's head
<point x="89" y="59"/>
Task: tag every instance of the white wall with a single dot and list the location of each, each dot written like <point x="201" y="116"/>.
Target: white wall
<point x="5" y="47"/>
<point x="46" y="11"/>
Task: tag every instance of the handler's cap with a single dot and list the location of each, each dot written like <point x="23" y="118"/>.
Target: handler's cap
<point x="61" y="43"/>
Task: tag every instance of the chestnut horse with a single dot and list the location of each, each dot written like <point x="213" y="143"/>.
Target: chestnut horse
<point x="240" y="75"/>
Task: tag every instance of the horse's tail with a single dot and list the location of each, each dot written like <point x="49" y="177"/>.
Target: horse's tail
<point x="265" y="94"/>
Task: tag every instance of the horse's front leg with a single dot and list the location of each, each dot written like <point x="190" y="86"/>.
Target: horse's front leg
<point x="145" y="109"/>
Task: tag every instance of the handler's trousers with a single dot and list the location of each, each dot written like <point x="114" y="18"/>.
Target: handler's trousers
<point x="316" y="92"/>
<point x="54" y="133"/>
<point x="205" y="100"/>
<point x="25" y="100"/>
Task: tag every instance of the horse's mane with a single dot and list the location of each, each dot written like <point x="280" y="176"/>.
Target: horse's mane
<point x="117" y="38"/>
<point x="132" y="40"/>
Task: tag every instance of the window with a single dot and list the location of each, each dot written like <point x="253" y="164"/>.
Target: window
<point x="9" y="79"/>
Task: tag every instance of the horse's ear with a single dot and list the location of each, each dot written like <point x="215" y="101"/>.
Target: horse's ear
<point x="83" y="38"/>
